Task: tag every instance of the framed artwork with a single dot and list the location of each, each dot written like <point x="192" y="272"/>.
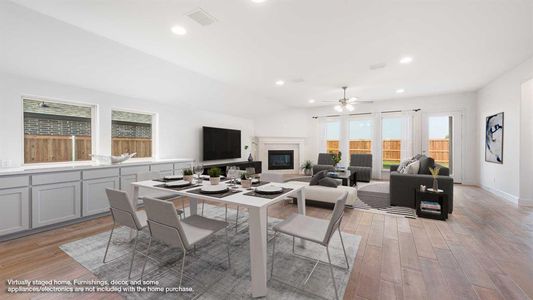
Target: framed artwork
<point x="494" y="138"/>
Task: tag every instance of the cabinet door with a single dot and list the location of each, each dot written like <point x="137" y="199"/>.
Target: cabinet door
<point x="94" y="197"/>
<point x="125" y="183"/>
<point x="14" y="210"/>
<point x="54" y="203"/>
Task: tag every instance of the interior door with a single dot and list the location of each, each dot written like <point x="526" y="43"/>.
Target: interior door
<point x="442" y="140"/>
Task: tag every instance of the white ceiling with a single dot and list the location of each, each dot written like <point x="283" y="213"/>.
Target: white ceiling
<point x="457" y="45"/>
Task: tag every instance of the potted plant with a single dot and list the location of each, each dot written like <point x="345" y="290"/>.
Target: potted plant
<point x="307" y="167"/>
<point x="435" y="173"/>
<point x="246" y="182"/>
<point x="187" y="175"/>
<point x="336" y="157"/>
<point x="214" y="175"/>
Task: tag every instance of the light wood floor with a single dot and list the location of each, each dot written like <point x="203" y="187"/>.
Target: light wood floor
<point x="484" y="251"/>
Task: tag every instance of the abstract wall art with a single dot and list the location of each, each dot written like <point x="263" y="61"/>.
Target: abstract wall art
<point x="494" y="138"/>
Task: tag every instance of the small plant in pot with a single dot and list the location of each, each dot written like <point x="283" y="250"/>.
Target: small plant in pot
<point x="336" y="157"/>
<point x="307" y="167"/>
<point x="187" y="175"/>
<point x="246" y="182"/>
<point x="214" y="175"/>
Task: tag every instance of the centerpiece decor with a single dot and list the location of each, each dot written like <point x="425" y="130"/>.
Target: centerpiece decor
<point x="336" y="157"/>
<point x="214" y="175"/>
<point x="187" y="175"/>
<point x="307" y="167"/>
<point x="246" y="182"/>
<point x="435" y="173"/>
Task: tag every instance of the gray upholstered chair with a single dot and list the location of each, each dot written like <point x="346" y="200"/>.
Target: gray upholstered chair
<point x="325" y="162"/>
<point x="123" y="214"/>
<point x="314" y="230"/>
<point x="159" y="195"/>
<point x="361" y="165"/>
<point x="165" y="226"/>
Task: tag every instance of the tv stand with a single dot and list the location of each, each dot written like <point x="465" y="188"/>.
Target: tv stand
<point x="240" y="164"/>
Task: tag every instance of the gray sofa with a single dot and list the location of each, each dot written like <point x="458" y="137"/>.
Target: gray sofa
<point x="362" y="165"/>
<point x="325" y="162"/>
<point x="402" y="186"/>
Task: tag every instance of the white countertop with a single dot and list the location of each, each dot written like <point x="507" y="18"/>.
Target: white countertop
<point x="80" y="166"/>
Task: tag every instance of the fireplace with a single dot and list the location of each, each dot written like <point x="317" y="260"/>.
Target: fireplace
<point x="280" y="159"/>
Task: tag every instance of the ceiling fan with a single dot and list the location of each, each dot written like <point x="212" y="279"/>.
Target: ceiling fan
<point x="346" y="103"/>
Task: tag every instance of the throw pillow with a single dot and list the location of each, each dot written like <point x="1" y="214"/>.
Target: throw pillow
<point x="329" y="182"/>
<point x="316" y="178"/>
<point x="412" y="168"/>
<point x="425" y="164"/>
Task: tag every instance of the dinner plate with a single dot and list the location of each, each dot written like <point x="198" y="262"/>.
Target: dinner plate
<point x="255" y="180"/>
<point x="173" y="177"/>
<point x="214" y="189"/>
<point x="179" y="183"/>
<point x="268" y="189"/>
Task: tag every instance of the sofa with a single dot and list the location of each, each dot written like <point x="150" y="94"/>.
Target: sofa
<point x="402" y="186"/>
<point x="325" y="162"/>
<point x="361" y="164"/>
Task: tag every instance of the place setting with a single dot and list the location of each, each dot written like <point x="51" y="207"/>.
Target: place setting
<point x="268" y="191"/>
<point x="178" y="185"/>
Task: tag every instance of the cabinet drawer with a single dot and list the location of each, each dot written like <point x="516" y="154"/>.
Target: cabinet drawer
<point x="94" y="197"/>
<point x="55" y="177"/>
<point x="14" y="210"/>
<point x="101" y="173"/>
<point x="162" y="167"/>
<point x="134" y="170"/>
<point x="54" y="203"/>
<point x="14" y="181"/>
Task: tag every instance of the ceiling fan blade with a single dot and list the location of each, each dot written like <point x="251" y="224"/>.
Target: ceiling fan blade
<point x="330" y="101"/>
<point x="365" y="101"/>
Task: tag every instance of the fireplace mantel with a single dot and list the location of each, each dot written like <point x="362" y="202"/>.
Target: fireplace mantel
<point x="281" y="143"/>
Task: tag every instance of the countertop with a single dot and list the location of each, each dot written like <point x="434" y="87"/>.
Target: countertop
<point x="80" y="166"/>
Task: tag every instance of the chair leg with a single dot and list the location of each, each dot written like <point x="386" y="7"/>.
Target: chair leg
<point x="237" y="220"/>
<point x="226" y="213"/>
<point x="293" y="238"/>
<point x="332" y="276"/>
<point x="344" y="249"/>
<point x="273" y="253"/>
<point x="146" y="258"/>
<point x="203" y="204"/>
<point x="182" y="266"/>
<point x="183" y="207"/>
<point x="133" y="254"/>
<point x="227" y="247"/>
<point x="108" y="242"/>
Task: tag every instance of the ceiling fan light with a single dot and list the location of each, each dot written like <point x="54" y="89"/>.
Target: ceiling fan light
<point x="349" y="107"/>
<point x="338" y="108"/>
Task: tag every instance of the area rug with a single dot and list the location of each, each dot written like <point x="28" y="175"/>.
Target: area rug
<point x="208" y="266"/>
<point x="374" y="196"/>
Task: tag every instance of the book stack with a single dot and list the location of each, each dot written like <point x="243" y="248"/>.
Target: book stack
<point x="430" y="207"/>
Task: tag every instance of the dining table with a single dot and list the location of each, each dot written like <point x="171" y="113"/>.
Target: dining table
<point x="254" y="202"/>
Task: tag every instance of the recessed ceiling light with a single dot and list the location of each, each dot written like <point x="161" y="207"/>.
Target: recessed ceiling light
<point x="400" y="91"/>
<point x="280" y="82"/>
<point x="178" y="30"/>
<point x="311" y="100"/>
<point x="406" y="60"/>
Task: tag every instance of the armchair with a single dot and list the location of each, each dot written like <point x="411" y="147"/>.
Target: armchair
<point x="361" y="164"/>
<point x="325" y="162"/>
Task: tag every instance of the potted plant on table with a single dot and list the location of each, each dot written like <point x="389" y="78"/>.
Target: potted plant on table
<point x="307" y="167"/>
<point x="187" y="175"/>
<point x="214" y="175"/>
<point x="336" y="157"/>
<point x="435" y="173"/>
<point x="246" y="182"/>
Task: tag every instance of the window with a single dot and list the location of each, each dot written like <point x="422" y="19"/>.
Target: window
<point x="360" y="136"/>
<point x="333" y="132"/>
<point x="131" y="133"/>
<point x="396" y="137"/>
<point x="56" y="132"/>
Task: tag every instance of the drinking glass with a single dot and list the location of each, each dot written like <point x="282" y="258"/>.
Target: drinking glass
<point x="198" y="170"/>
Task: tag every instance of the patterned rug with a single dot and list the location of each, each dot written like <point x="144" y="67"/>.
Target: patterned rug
<point x="374" y="196"/>
<point x="208" y="267"/>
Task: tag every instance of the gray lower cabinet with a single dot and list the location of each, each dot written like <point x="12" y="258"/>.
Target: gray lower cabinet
<point x="54" y="203"/>
<point x="94" y="198"/>
<point x="14" y="210"/>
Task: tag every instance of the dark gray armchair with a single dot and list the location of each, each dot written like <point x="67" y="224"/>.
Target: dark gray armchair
<point x="325" y="162"/>
<point x="361" y="164"/>
<point x="402" y="186"/>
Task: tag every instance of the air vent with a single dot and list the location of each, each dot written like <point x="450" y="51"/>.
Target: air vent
<point x="201" y="17"/>
<point x="378" y="66"/>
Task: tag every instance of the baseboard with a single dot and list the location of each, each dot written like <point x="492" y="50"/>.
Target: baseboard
<point x="501" y="194"/>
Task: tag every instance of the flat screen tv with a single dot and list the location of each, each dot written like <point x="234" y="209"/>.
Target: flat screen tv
<point x="220" y="143"/>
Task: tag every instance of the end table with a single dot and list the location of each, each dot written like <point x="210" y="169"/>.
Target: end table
<point x="432" y="205"/>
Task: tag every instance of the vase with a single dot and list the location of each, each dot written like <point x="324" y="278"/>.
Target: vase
<point x="214" y="180"/>
<point x="246" y="183"/>
<point x="250" y="158"/>
<point x="307" y="172"/>
<point x="187" y="178"/>
<point x="435" y="185"/>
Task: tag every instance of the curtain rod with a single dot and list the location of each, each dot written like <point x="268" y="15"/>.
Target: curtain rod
<point x="367" y="113"/>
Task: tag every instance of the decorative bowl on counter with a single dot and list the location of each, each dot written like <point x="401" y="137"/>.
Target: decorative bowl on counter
<point x="111" y="159"/>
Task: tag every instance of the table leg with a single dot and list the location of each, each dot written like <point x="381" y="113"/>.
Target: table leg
<point x="258" y="250"/>
<point x="193" y="206"/>
<point x="300" y="196"/>
<point x="134" y="203"/>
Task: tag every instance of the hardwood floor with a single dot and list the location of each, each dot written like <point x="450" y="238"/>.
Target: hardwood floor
<point x="483" y="251"/>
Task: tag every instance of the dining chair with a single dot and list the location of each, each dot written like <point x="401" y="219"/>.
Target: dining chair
<point x="144" y="176"/>
<point x="314" y="230"/>
<point x="123" y="214"/>
<point x="165" y="226"/>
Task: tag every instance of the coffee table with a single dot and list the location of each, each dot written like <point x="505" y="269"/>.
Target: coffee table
<point x="345" y="176"/>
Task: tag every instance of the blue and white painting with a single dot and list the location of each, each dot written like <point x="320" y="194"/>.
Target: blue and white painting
<point x="494" y="138"/>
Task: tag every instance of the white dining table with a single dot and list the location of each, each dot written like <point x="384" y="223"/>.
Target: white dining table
<point x="257" y="220"/>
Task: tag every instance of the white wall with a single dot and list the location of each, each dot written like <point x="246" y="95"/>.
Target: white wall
<point x="299" y="123"/>
<point x="526" y="144"/>
<point x="179" y="126"/>
<point x="503" y="95"/>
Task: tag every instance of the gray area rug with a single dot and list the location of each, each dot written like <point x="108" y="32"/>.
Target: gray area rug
<point x="374" y="196"/>
<point x="208" y="267"/>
